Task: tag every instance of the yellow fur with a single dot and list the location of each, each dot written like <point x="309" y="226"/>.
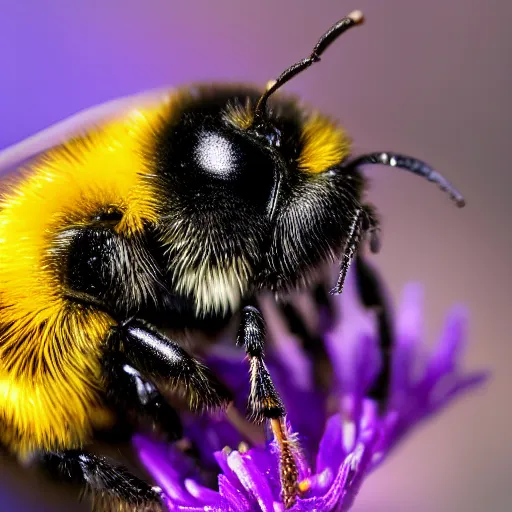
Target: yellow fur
<point x="239" y="115"/>
<point x="324" y="144"/>
<point x="49" y="348"/>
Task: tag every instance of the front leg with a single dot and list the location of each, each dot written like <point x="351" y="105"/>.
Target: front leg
<point x="264" y="400"/>
<point x="350" y="249"/>
<point x="164" y="362"/>
<point x="364" y="222"/>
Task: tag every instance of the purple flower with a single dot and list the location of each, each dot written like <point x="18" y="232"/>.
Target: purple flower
<point x="342" y="434"/>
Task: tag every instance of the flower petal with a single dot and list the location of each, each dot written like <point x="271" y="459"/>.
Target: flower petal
<point x="330" y="452"/>
<point x="203" y="494"/>
<point x="358" y="462"/>
<point x="343" y="343"/>
<point x="409" y="333"/>
<point x="448" y="352"/>
<point x="252" y="480"/>
<point x="155" y="457"/>
<point x="233" y="495"/>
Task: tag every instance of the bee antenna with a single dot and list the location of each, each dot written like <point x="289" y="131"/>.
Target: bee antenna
<point x="354" y="18"/>
<point x="412" y="165"/>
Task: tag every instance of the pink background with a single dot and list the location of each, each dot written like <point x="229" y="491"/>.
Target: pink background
<point x="429" y="78"/>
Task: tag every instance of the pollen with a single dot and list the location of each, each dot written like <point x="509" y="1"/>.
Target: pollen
<point x="304" y="486"/>
<point x="243" y="447"/>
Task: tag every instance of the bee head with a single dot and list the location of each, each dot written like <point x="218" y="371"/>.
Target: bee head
<point x="257" y="191"/>
<point x="228" y="164"/>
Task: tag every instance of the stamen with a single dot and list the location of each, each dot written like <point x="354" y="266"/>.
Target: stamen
<point x="304" y="485"/>
<point x="243" y="447"/>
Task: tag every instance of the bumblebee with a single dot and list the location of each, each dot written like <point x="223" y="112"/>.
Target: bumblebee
<point x="158" y="212"/>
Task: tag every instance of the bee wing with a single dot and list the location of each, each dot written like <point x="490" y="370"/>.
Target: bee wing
<point x="77" y="124"/>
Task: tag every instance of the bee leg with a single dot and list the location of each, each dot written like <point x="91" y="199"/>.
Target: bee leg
<point x="112" y="487"/>
<point x="350" y="249"/>
<point x="164" y="362"/>
<point x="128" y="390"/>
<point x="373" y="296"/>
<point x="264" y="400"/>
<point x="310" y="339"/>
<point x="365" y="222"/>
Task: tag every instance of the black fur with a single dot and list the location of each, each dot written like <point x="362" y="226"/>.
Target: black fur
<point x="118" y="272"/>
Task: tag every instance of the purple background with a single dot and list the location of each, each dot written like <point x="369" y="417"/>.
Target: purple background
<point x="429" y="78"/>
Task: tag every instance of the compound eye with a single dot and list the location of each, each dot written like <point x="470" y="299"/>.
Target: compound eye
<point x="238" y="164"/>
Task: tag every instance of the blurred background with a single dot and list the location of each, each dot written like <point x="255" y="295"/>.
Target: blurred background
<point x="432" y="79"/>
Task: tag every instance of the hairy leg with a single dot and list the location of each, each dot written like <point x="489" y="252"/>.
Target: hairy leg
<point x="161" y="360"/>
<point x="113" y="488"/>
<point x="265" y="402"/>
<point x="135" y="396"/>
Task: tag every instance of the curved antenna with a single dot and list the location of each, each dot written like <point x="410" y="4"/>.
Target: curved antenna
<point x="412" y="165"/>
<point x="354" y="18"/>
